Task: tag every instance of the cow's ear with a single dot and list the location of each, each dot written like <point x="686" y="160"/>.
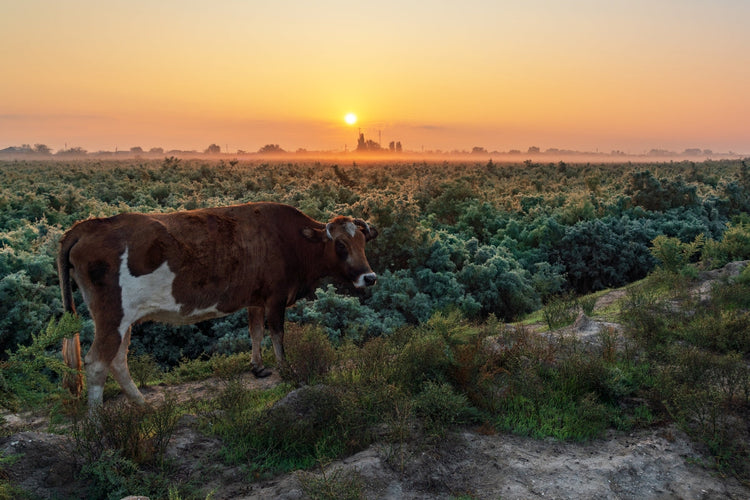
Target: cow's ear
<point x="317" y="235"/>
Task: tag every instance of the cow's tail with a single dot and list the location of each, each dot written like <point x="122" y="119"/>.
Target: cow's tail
<point x="71" y="347"/>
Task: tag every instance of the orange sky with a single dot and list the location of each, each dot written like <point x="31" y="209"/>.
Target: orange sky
<point x="581" y="74"/>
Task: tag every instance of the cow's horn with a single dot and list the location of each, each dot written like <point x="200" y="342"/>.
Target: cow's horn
<point x="366" y="229"/>
<point x="328" y="231"/>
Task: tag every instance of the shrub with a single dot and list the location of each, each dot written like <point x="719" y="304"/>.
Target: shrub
<point x="139" y="434"/>
<point x="336" y="484"/>
<point x="144" y="369"/>
<point x="560" y="311"/>
<point x="31" y="375"/>
<point x="441" y="407"/>
<point x="308" y="425"/>
<point x="673" y="254"/>
<point x="309" y="354"/>
<point x="707" y="395"/>
<point x="734" y="245"/>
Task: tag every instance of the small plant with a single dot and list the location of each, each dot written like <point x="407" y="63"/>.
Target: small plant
<point x="441" y="407"/>
<point x="560" y="311"/>
<point x="734" y="245"/>
<point x="229" y="368"/>
<point x="587" y="304"/>
<point x="137" y="434"/>
<point x="143" y="369"/>
<point x="191" y="369"/>
<point x="7" y="490"/>
<point x="335" y="484"/>
<point x="309" y="354"/>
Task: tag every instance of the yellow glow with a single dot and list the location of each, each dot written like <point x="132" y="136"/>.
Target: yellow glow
<point x="476" y="73"/>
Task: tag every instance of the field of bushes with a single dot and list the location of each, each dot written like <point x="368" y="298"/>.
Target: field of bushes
<point x="463" y="250"/>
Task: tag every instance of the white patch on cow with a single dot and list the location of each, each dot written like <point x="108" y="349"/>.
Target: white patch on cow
<point x="351" y="229"/>
<point x="328" y="231"/>
<point x="150" y="295"/>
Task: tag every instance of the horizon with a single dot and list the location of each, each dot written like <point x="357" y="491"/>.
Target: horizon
<point x="584" y="76"/>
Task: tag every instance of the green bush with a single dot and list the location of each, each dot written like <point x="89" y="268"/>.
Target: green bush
<point x="309" y="354"/>
<point x="674" y="255"/>
<point x="144" y="369"/>
<point x="31" y="375"/>
<point x="734" y="245"/>
<point x="441" y="408"/>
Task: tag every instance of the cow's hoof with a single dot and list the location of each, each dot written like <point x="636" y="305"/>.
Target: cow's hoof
<point x="261" y="372"/>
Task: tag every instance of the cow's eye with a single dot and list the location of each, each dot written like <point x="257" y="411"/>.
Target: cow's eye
<point x="341" y="250"/>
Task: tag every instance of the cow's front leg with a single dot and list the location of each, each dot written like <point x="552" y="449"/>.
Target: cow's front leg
<point x="255" y="322"/>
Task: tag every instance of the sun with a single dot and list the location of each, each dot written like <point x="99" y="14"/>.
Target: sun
<point x="350" y="118"/>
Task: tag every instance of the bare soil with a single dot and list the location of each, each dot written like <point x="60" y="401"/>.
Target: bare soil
<point x="656" y="463"/>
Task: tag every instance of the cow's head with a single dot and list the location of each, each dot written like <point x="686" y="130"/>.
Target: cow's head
<point x="345" y="239"/>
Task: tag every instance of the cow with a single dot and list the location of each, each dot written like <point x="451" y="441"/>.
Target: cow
<point x="190" y="266"/>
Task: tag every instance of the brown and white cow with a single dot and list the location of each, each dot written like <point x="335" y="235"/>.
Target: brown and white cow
<point x="189" y="266"/>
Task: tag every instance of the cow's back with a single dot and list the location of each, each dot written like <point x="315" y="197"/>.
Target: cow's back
<point x="217" y="258"/>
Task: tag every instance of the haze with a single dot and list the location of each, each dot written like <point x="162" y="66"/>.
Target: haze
<point x="584" y="75"/>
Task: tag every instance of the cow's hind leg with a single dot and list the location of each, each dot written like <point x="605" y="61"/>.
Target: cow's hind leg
<point x="275" y="316"/>
<point x="121" y="373"/>
<point x="99" y="359"/>
<point x="256" y="324"/>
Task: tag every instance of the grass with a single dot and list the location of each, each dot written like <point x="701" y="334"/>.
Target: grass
<point x="682" y="360"/>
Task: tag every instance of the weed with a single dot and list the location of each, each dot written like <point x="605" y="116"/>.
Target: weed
<point x="7" y="490"/>
<point x="138" y="434"/>
<point x="587" y="304"/>
<point x="673" y="254"/>
<point x="560" y="311"/>
<point x="335" y="484"/>
<point x="191" y="369"/>
<point x="229" y="368"/>
<point x="144" y="369"/>
<point x="441" y="407"/>
<point x="309" y="354"/>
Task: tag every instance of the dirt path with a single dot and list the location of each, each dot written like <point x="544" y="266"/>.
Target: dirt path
<point x="656" y="463"/>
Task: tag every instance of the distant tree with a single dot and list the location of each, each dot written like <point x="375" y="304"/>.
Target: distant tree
<point x="477" y="150"/>
<point x="42" y="149"/>
<point x="136" y="150"/>
<point x="534" y="150"/>
<point x="392" y="146"/>
<point x="156" y="151"/>
<point x="271" y="149"/>
<point x="398" y="147"/>
<point x="213" y="149"/>
<point x="77" y="151"/>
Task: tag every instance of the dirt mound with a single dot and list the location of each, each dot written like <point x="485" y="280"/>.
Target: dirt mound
<point x="647" y="464"/>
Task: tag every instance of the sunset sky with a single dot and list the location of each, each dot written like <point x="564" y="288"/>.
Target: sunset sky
<point x="581" y="74"/>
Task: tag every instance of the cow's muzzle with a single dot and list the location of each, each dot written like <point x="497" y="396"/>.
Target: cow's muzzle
<point x="365" y="280"/>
